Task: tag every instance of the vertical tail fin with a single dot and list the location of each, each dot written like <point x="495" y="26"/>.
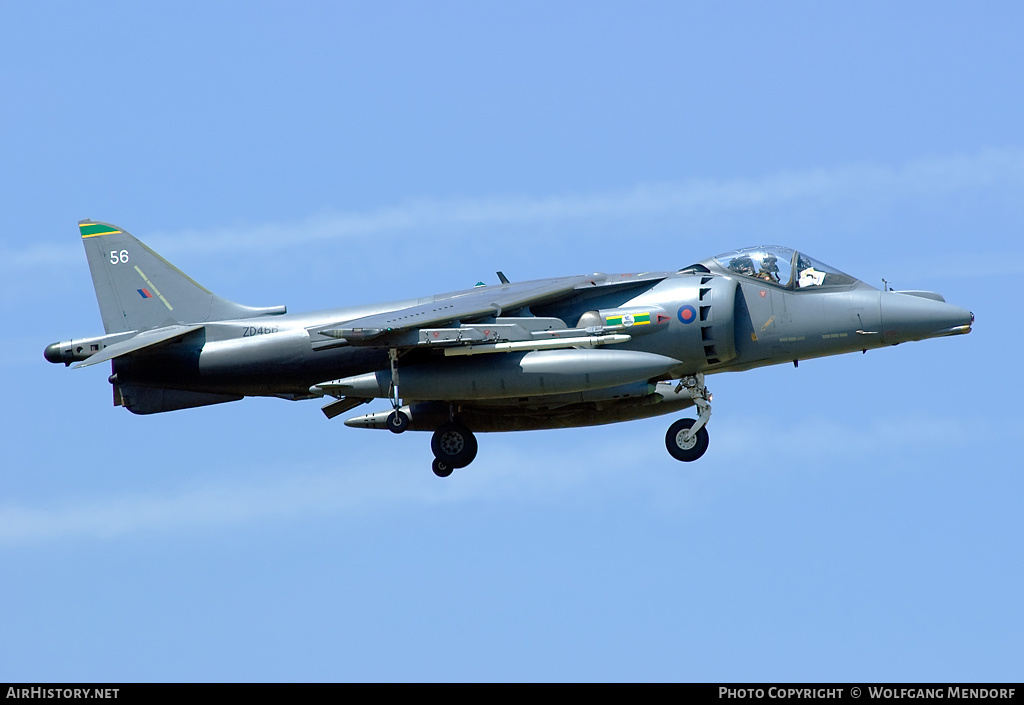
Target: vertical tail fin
<point x="138" y="289"/>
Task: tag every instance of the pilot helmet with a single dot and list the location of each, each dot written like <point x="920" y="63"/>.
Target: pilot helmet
<point x="770" y="263"/>
<point x="742" y="265"/>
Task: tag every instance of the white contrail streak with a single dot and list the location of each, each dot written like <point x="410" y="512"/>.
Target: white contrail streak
<point x="925" y="178"/>
<point x="850" y="185"/>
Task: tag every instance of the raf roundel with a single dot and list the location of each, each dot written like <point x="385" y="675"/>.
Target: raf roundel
<point x="687" y="314"/>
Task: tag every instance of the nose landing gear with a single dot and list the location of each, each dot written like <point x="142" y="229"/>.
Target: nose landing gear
<point x="685" y="444"/>
<point x="687" y="439"/>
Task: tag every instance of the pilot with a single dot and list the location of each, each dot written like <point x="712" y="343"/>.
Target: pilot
<point x="742" y="265"/>
<point x="769" y="269"/>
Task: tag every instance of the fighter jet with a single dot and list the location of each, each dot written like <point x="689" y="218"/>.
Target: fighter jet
<point x="553" y="353"/>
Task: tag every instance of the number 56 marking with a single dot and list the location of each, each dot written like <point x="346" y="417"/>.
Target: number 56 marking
<point x="118" y="257"/>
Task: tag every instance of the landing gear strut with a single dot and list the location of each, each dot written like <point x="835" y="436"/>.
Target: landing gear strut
<point x="397" y="421"/>
<point x="454" y="446"/>
<point x="687" y="439"/>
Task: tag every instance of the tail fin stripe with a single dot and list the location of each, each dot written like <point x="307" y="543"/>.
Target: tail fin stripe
<point x="155" y="290"/>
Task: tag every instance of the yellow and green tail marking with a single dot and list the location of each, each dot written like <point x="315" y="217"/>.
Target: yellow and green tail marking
<point x="96" y="229"/>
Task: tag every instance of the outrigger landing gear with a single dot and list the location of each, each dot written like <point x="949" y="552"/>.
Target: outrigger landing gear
<point x="687" y="439"/>
<point x="454" y="446"/>
<point x="397" y="421"/>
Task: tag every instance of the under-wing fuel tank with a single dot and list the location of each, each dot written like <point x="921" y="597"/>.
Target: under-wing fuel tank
<point x="509" y="375"/>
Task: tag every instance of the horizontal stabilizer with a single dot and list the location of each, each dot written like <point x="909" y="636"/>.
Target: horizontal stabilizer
<point x="143" y="340"/>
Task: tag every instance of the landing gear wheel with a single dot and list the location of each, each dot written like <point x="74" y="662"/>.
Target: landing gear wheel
<point x="441" y="469"/>
<point x="397" y="421"/>
<point x="453" y="444"/>
<point x="686" y="450"/>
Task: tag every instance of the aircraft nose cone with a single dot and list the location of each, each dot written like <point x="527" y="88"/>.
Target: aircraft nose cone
<point x="908" y="317"/>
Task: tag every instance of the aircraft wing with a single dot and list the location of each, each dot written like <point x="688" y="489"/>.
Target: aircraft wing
<point x="474" y="303"/>
<point x="141" y="341"/>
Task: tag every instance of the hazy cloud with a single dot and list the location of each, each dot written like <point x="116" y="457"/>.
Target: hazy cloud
<point x="934" y="177"/>
<point x="931" y="177"/>
<point x="511" y="474"/>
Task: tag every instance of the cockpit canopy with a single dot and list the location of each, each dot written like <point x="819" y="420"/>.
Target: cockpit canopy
<point x="781" y="267"/>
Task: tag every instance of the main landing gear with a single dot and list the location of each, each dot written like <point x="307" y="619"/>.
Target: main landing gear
<point x="454" y="446"/>
<point x="687" y="439"/>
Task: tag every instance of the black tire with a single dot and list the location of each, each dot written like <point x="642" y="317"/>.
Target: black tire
<point x="441" y="469"/>
<point x="689" y="452"/>
<point x="453" y="444"/>
<point x="397" y="421"/>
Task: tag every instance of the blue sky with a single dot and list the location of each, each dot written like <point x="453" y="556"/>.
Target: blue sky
<point x="325" y="154"/>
